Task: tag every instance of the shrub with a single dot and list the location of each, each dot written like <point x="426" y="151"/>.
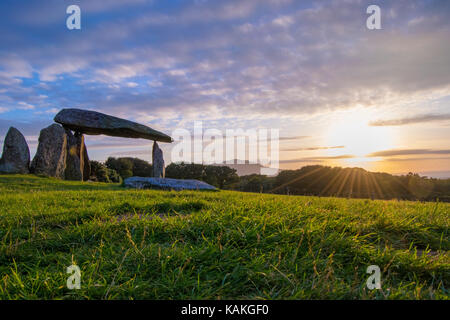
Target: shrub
<point x="128" y="167"/>
<point x="101" y="173"/>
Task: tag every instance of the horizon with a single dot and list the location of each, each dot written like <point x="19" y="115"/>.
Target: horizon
<point x="341" y="94"/>
<point x="441" y="175"/>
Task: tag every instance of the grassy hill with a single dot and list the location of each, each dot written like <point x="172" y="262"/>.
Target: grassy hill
<point x="147" y="244"/>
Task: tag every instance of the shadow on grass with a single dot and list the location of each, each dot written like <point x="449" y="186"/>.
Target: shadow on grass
<point x="162" y="208"/>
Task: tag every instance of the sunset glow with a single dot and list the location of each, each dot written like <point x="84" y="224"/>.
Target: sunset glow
<point x="359" y="139"/>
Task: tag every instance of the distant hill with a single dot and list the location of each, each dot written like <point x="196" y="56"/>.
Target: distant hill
<point x="349" y="183"/>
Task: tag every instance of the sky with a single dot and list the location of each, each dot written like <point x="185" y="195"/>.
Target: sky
<point x="339" y="93"/>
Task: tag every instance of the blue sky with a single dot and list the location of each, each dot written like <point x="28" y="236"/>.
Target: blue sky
<point x="310" y="68"/>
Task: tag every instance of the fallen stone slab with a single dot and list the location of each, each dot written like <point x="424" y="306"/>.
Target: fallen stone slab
<point x="95" y="123"/>
<point x="166" y="184"/>
<point x="16" y="155"/>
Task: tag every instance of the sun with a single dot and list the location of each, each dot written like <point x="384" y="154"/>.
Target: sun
<point x="352" y="131"/>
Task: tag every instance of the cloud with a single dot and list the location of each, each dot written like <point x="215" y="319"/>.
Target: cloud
<point x="402" y="152"/>
<point x="25" y="106"/>
<point x="293" y="138"/>
<point x="415" y="159"/>
<point x="12" y="65"/>
<point x="313" y="148"/>
<point x="132" y="153"/>
<point x="125" y="143"/>
<point x="318" y="159"/>
<point x="168" y="63"/>
<point x="283" y="21"/>
<point x="412" y="120"/>
<point x="285" y="73"/>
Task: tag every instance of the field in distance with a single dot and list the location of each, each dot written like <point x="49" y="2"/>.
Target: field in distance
<point x="147" y="244"/>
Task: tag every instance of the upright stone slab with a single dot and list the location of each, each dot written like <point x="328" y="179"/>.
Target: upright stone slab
<point x="78" y="166"/>
<point x="85" y="163"/>
<point x="159" y="170"/>
<point x="50" y="158"/>
<point x="16" y="155"/>
<point x="73" y="169"/>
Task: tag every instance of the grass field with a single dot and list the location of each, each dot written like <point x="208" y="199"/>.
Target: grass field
<point x="146" y="244"/>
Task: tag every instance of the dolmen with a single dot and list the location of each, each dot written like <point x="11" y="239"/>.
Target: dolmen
<point x="88" y="122"/>
<point x="62" y="151"/>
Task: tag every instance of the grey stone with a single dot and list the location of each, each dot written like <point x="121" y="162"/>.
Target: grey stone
<point x="166" y="184"/>
<point x="92" y="122"/>
<point x="78" y="166"/>
<point x="16" y="155"/>
<point x="74" y="169"/>
<point x="50" y="158"/>
<point x="159" y="170"/>
<point x="85" y="163"/>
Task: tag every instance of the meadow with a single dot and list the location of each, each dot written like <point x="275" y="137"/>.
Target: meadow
<point x="148" y="244"/>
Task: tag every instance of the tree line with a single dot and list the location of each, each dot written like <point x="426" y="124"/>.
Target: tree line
<point x="122" y="168"/>
<point x="313" y="180"/>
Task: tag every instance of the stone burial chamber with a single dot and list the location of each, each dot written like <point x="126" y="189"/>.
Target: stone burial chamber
<point x="62" y="151"/>
<point x="86" y="122"/>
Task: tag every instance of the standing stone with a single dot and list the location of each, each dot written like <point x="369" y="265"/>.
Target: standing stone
<point x="159" y="170"/>
<point x="16" y="155"/>
<point x="73" y="161"/>
<point x="85" y="163"/>
<point x="50" y="158"/>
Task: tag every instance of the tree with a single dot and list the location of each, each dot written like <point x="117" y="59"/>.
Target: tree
<point x="218" y="176"/>
<point x="101" y="173"/>
<point x="124" y="166"/>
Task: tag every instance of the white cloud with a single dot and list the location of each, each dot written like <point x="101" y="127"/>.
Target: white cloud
<point x="12" y="65"/>
<point x="283" y="21"/>
<point x="132" y="84"/>
<point x="25" y="106"/>
<point x="53" y="69"/>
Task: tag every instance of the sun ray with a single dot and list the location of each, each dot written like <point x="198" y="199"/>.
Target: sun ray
<point x="350" y="193"/>
<point x="294" y="180"/>
<point x="318" y="179"/>
<point x="377" y="186"/>
<point x="331" y="183"/>
<point x="343" y="182"/>
<point x="368" y="187"/>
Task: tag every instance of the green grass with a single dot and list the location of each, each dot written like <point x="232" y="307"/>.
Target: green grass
<point x="146" y="244"/>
